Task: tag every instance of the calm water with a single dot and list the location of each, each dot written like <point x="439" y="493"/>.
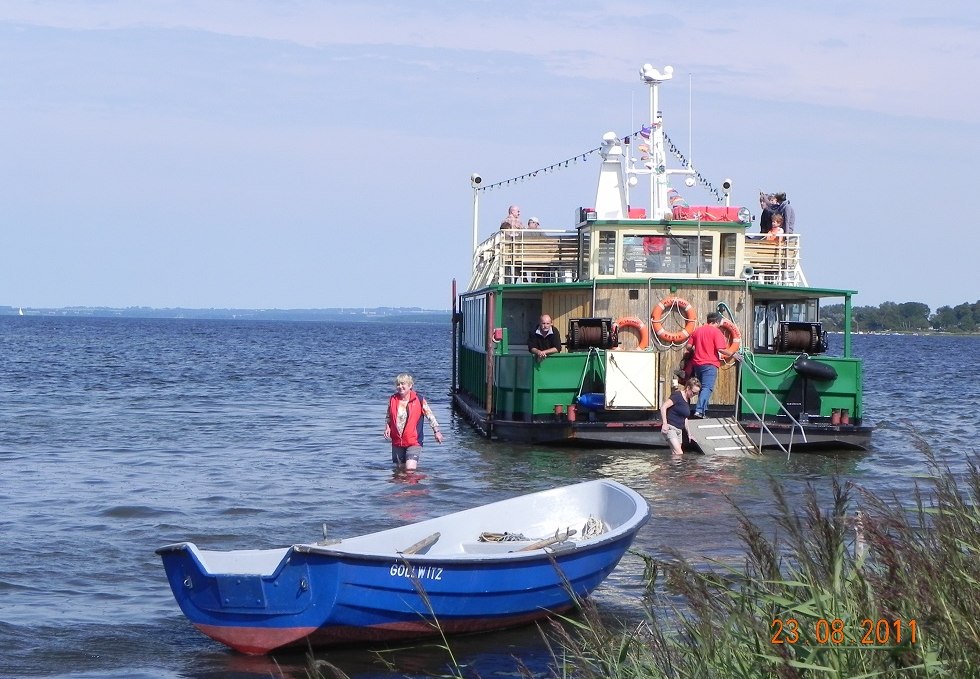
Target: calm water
<point x="118" y="436"/>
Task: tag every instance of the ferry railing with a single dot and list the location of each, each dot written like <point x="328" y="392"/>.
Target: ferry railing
<point x="742" y="404"/>
<point x="777" y="261"/>
<point x="525" y="256"/>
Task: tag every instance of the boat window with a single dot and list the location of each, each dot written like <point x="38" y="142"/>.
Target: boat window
<point x="606" y="252"/>
<point x="663" y="253"/>
<point x="687" y="254"/>
<point x="768" y="316"/>
<point x="585" y="250"/>
<point x="520" y="316"/>
<point x="643" y="253"/>
<point x="474" y="323"/>
<point x="728" y="244"/>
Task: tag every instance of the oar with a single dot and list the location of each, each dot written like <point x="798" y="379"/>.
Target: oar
<point x="557" y="537"/>
<point x="421" y="544"/>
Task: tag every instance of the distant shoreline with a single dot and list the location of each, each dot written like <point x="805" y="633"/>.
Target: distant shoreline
<point x="360" y="314"/>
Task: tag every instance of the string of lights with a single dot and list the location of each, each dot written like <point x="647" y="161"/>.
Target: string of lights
<point x="697" y="175"/>
<point x="583" y="157"/>
<point x="548" y="168"/>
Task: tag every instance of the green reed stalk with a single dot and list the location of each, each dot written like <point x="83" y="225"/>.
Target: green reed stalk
<point x="836" y="592"/>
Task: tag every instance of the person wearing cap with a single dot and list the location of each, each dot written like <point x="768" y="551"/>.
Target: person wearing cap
<point x="533" y="223"/>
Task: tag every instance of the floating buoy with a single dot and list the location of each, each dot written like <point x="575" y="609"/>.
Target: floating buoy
<point x="592" y="400"/>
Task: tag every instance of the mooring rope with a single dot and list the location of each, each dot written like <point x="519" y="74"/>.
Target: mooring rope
<point x="502" y="537"/>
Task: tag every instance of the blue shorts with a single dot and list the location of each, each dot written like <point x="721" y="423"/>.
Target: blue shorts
<point x="401" y="454"/>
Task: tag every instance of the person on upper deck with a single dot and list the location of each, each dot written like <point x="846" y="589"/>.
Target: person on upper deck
<point x="787" y="211"/>
<point x="776" y="231"/>
<point x="513" y="219"/>
<point x="767" y="201"/>
<point x="544" y="340"/>
<point x="533" y="223"/>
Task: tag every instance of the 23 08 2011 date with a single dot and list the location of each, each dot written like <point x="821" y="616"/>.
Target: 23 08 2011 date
<point x="880" y="632"/>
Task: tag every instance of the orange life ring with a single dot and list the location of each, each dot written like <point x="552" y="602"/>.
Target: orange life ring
<point x="657" y="320"/>
<point x="634" y="322"/>
<point x="730" y="330"/>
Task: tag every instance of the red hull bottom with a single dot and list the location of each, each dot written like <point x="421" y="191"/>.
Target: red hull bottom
<point x="262" y="640"/>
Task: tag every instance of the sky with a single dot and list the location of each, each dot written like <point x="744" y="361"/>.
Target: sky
<point x="316" y="153"/>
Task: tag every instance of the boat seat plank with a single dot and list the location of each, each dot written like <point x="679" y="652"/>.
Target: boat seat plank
<point x="492" y="547"/>
<point x="424" y="543"/>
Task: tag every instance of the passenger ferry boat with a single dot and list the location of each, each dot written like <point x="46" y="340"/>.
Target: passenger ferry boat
<point x="625" y="287"/>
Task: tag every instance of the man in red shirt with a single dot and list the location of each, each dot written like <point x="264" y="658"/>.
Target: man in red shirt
<point x="708" y="344"/>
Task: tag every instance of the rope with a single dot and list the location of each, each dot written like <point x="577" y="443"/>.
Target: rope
<point x="593" y="527"/>
<point x="501" y="537"/>
<point x="750" y="359"/>
<point x="585" y="370"/>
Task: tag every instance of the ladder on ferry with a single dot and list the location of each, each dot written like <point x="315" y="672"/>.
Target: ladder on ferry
<point x="721" y="436"/>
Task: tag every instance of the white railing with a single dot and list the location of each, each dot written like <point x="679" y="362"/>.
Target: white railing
<point x="540" y="256"/>
<point x="776" y="261"/>
<point x="525" y="256"/>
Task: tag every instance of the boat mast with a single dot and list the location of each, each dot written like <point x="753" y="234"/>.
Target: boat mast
<point x="475" y="181"/>
<point x="656" y="165"/>
<point x="658" y="159"/>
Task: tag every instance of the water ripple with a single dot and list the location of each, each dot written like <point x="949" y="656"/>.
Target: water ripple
<point x="118" y="436"/>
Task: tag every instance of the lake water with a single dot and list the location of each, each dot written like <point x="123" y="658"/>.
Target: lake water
<point x="118" y="436"/>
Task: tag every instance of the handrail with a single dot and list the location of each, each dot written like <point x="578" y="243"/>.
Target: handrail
<point x="775" y="261"/>
<point x="525" y="256"/>
<point x="739" y="401"/>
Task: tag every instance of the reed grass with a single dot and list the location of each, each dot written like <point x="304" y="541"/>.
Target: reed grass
<point x="849" y="576"/>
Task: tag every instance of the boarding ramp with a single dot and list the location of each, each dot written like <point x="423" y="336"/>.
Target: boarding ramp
<point x="721" y="436"/>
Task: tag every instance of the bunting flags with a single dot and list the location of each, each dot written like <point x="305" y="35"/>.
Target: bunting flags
<point x="644" y="133"/>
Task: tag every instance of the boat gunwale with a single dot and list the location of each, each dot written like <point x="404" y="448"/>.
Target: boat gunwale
<point x="628" y="528"/>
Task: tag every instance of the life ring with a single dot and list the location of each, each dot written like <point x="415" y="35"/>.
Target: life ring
<point x="657" y="320"/>
<point x="730" y="330"/>
<point x="634" y="322"/>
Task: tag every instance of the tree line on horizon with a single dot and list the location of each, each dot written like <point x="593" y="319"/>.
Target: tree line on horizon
<point x="904" y="316"/>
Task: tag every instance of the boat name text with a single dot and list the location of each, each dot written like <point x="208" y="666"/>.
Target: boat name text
<point x="420" y="572"/>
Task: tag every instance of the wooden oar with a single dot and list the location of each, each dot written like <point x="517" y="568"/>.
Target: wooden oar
<point x="421" y="544"/>
<point x="557" y="537"/>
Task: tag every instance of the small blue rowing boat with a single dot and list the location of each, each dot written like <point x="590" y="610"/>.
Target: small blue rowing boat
<point x="494" y="566"/>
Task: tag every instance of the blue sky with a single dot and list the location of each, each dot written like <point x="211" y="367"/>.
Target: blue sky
<point x="306" y="154"/>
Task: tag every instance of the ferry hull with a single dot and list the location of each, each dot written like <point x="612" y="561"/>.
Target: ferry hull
<point x="816" y="437"/>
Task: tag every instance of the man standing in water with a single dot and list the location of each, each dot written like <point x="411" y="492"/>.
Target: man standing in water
<point x="403" y="423"/>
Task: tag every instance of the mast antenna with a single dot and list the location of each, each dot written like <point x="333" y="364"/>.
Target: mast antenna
<point x="690" y="119"/>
